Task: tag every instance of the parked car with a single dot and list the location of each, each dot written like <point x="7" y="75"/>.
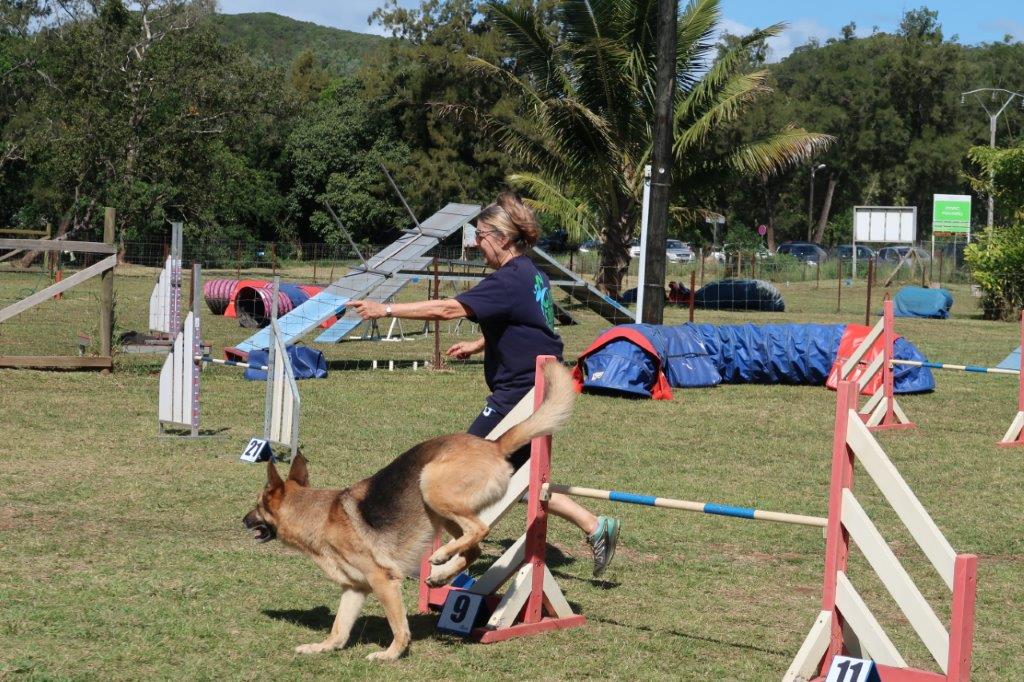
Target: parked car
<point x="554" y="242"/>
<point x="806" y="252"/>
<point x="589" y="245"/>
<point x="894" y="254"/>
<point x="675" y="251"/>
<point x="678" y="252"/>
<point x="845" y="252"/>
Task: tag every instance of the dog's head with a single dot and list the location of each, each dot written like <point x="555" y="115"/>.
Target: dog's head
<point x="264" y="518"/>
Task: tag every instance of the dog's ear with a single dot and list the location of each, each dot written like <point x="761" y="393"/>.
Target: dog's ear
<point x="299" y="472"/>
<point x="273" y="478"/>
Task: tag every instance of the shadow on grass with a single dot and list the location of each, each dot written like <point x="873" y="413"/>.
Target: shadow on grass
<point x="367" y="629"/>
<point x="699" y="638"/>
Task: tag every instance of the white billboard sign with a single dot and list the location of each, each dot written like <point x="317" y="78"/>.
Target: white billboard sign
<point x="890" y="224"/>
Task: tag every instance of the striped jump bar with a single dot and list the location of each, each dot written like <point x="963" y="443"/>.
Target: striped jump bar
<point x="684" y="505"/>
<point x="962" y="368"/>
<point x="230" y="363"/>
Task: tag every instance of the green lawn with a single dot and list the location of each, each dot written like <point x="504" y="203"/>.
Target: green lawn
<point x="124" y="556"/>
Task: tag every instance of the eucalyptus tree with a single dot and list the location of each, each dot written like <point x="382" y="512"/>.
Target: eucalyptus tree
<point x="581" y="134"/>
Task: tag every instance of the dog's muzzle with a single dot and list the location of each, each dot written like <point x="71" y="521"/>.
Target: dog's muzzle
<point x="263" y="532"/>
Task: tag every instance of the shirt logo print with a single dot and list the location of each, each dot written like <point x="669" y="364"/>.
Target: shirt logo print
<point x="542" y="295"/>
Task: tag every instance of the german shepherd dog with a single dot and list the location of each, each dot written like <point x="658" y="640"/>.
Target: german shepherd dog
<point x="367" y="537"/>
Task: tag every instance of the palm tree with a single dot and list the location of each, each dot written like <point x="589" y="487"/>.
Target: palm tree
<point x="581" y="130"/>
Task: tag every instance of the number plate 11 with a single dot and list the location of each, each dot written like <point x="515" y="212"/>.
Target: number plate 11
<point x="846" y="669"/>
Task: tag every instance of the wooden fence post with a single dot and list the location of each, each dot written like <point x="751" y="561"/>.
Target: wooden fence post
<point x="107" y="289"/>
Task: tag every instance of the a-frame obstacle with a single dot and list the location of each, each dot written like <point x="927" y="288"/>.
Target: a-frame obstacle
<point x="378" y="279"/>
<point x="846" y="625"/>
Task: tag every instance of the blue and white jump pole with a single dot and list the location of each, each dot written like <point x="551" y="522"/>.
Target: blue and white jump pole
<point x="962" y="368"/>
<point x="685" y="505"/>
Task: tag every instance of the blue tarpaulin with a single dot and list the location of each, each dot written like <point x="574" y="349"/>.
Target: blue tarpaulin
<point x="921" y="302"/>
<point x="696" y="355"/>
<point x="740" y="294"/>
<point x="307" y="363"/>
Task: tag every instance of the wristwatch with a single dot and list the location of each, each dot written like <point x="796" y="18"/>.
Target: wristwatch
<point x="387" y="310"/>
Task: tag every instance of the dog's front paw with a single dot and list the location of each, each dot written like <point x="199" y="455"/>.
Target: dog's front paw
<point x="441" y="556"/>
<point x="317" y="648"/>
<point x="384" y="656"/>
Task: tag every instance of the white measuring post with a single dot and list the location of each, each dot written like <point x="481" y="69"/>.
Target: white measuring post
<point x="165" y="300"/>
<point x="282" y="405"/>
<point x="178" y="400"/>
<point x="643" y="245"/>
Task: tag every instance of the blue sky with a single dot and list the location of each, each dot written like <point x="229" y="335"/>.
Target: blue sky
<point x="973" y="22"/>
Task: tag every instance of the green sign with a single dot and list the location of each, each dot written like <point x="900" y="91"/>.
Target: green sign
<point x="951" y="213"/>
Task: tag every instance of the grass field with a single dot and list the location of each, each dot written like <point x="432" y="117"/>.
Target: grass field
<point x="124" y="556"/>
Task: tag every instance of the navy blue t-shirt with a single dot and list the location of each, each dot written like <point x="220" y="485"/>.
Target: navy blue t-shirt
<point x="515" y="311"/>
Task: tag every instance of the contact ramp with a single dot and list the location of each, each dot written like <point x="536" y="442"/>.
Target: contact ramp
<point x="1011" y="361"/>
<point x="379" y="279"/>
<point x="580" y="289"/>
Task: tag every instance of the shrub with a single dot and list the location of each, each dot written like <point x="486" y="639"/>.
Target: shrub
<point x="996" y="261"/>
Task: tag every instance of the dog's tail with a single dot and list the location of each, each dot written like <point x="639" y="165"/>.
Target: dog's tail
<point x="552" y="414"/>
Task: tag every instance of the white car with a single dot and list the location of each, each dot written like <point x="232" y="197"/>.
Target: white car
<point x="675" y="251"/>
<point x="678" y="252"/>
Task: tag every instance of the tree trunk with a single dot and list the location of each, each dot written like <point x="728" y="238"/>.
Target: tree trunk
<point x="826" y="206"/>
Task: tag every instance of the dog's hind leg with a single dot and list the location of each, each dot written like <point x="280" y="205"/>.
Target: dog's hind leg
<point x="348" y="609"/>
<point x="389" y="591"/>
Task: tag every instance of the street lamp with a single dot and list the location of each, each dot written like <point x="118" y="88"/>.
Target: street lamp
<point x="810" y="202"/>
<point x="992" y="117"/>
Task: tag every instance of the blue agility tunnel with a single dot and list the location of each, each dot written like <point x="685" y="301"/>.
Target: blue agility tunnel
<point x="649" y="360"/>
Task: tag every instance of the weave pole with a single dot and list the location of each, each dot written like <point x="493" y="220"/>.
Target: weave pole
<point x="685" y="505"/>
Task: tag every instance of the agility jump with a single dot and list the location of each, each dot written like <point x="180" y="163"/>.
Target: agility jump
<point x="882" y="411"/>
<point x="178" y="402"/>
<point x="534" y="603"/>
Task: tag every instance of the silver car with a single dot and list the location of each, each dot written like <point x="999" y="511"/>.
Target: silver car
<point x="678" y="252"/>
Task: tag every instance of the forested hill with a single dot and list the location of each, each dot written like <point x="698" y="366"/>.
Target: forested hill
<point x="280" y="39"/>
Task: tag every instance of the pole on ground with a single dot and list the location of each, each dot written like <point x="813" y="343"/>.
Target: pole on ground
<point x="867" y="307"/>
<point x="693" y="294"/>
<point x="839" y="289"/>
<point x="437" y="323"/>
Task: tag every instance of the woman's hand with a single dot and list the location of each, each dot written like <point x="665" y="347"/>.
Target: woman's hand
<point x="368" y="310"/>
<point x="463" y="349"/>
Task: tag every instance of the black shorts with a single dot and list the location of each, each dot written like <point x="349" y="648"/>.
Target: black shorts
<point x="485" y="423"/>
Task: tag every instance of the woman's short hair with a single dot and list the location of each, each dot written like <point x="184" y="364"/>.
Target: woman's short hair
<point x="509" y="214"/>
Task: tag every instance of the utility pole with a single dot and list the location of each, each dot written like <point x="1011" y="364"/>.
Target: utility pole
<point x="661" y="177"/>
<point x="996" y="94"/>
<point x="810" y="202"/>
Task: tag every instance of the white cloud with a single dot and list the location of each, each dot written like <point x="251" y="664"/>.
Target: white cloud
<point x="794" y="35"/>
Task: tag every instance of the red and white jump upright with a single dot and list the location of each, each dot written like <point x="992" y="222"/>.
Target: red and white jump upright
<point x="533" y="602"/>
<point x="1015" y="434"/>
<point x="846" y="625"/>
<point x="881" y="411"/>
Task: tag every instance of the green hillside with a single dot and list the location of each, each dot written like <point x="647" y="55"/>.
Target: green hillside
<point x="280" y="39"/>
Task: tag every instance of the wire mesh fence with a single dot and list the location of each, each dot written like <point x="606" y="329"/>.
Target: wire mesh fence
<point x="707" y="287"/>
